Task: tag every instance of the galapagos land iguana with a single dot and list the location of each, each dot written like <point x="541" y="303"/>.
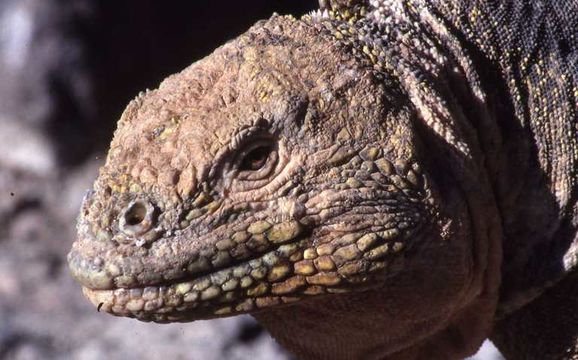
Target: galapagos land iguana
<point x="378" y="179"/>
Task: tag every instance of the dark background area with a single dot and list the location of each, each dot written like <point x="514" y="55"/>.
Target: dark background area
<point x="67" y="69"/>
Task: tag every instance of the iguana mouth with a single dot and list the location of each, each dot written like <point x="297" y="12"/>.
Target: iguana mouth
<point x="275" y="278"/>
<point x="283" y="266"/>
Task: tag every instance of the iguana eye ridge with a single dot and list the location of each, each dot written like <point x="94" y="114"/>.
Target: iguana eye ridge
<point x="256" y="158"/>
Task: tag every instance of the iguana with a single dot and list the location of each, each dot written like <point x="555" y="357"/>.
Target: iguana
<point x="377" y="179"/>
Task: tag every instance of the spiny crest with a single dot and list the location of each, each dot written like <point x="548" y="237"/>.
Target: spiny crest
<point x="400" y="41"/>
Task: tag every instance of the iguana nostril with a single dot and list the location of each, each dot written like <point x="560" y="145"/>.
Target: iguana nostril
<point x="135" y="214"/>
<point x="137" y="218"/>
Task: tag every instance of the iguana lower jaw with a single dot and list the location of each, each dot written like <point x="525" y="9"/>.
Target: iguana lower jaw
<point x="272" y="280"/>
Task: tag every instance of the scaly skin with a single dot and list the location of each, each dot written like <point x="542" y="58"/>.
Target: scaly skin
<point x="341" y="177"/>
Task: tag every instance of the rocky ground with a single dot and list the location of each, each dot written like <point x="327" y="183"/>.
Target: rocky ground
<point x="67" y="68"/>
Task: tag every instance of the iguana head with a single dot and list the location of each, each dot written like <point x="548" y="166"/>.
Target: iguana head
<point x="278" y="172"/>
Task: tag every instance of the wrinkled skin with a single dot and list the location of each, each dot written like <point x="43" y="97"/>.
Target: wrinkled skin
<point x="282" y="177"/>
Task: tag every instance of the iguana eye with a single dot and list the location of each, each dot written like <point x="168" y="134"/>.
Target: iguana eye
<point x="256" y="158"/>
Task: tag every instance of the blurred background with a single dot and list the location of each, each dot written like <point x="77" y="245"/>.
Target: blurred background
<point x="67" y="69"/>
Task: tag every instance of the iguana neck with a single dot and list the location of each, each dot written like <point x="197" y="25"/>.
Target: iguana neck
<point x="410" y="47"/>
<point x="523" y="53"/>
<point x="505" y="74"/>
